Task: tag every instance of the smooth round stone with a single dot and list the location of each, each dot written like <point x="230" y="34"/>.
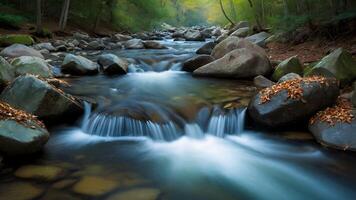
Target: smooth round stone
<point x="44" y="173"/>
<point x="19" y="191"/>
<point x="95" y="186"/>
<point x="137" y="194"/>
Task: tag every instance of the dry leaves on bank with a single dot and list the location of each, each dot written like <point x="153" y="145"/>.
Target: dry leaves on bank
<point x="293" y="87"/>
<point x="9" y="113"/>
<point x="340" y="113"/>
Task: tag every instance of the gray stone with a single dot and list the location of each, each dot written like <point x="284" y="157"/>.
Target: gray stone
<point x="134" y="44"/>
<point x="37" y="97"/>
<point x="112" y="65"/>
<point x="262" y="82"/>
<point x="6" y="72"/>
<point x="17" y="50"/>
<point x="31" y="65"/>
<point x="194" y="35"/>
<point x="153" y="45"/>
<point x="289" y="76"/>
<point x="259" y="38"/>
<point x="78" y="65"/>
<point x="207" y="48"/>
<point x="196" y="62"/>
<point x="241" y="32"/>
<point x="290" y="65"/>
<point x="281" y="110"/>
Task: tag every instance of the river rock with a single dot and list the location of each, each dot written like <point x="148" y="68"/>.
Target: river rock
<point x="46" y="45"/>
<point x="281" y="110"/>
<point x="216" y="32"/>
<point x="78" y="65"/>
<point x="134" y="44"/>
<point x="120" y="37"/>
<point x="240" y="63"/>
<point x="111" y="64"/>
<point x="241" y="32"/>
<point x="262" y="82"/>
<point x="137" y="194"/>
<point x="259" y="38"/>
<point x="222" y="37"/>
<point x="40" y="172"/>
<point x="353" y="98"/>
<point x="81" y="36"/>
<point x="289" y="76"/>
<point x="341" y="135"/>
<point x="17" y="50"/>
<point x="41" y="99"/>
<point x="338" y="64"/>
<point x="20" y="191"/>
<point x="95" y="45"/>
<point x="22" y="135"/>
<point x="153" y="45"/>
<point x="207" y="48"/>
<point x="7" y="40"/>
<point x="194" y="35"/>
<point x="31" y="65"/>
<point x="6" y="72"/>
<point x="196" y="62"/>
<point x="290" y="65"/>
<point x="241" y="24"/>
<point x="95" y="186"/>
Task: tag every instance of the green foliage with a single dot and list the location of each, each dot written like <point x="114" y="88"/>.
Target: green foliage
<point x="11" y="21"/>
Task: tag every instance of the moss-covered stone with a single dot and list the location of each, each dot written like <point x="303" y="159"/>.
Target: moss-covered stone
<point x="338" y="64"/>
<point x="290" y="65"/>
<point x="19" y="191"/>
<point x="7" y="40"/>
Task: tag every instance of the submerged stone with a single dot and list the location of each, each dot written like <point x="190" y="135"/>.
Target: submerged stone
<point x="95" y="186"/>
<point x="19" y="191"/>
<point x="39" y="172"/>
<point x="137" y="194"/>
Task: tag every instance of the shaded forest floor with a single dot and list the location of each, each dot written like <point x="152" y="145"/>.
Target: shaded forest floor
<point x="312" y="50"/>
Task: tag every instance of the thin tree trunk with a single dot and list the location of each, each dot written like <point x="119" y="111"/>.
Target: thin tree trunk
<point x="233" y="10"/>
<point x="222" y="9"/>
<point x="64" y="15"/>
<point x="98" y="15"/>
<point x="39" y="17"/>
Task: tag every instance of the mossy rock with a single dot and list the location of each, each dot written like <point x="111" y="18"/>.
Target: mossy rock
<point x="338" y="64"/>
<point x="7" y="40"/>
<point x="290" y="65"/>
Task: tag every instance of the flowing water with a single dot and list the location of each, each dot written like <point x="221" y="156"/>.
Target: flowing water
<point x="158" y="127"/>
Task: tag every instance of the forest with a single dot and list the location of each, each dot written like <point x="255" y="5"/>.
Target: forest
<point x="177" y="99"/>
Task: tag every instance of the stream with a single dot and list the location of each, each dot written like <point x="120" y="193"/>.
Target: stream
<point x="158" y="127"/>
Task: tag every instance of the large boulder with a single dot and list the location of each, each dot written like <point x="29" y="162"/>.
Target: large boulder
<point x="6" y="72"/>
<point x="336" y="126"/>
<point x="78" y="65"/>
<point x="290" y="65"/>
<point x="31" y="65"/>
<point x="20" y="132"/>
<point x="17" y="50"/>
<point x="112" y="65"/>
<point x="207" y="48"/>
<point x="246" y="61"/>
<point x="194" y="35"/>
<point x="7" y="40"/>
<point x="241" y="32"/>
<point x="196" y="62"/>
<point x="37" y="97"/>
<point x="259" y="38"/>
<point x="292" y="101"/>
<point x="134" y="44"/>
<point x="338" y="64"/>
<point x="231" y="43"/>
<point x="153" y="45"/>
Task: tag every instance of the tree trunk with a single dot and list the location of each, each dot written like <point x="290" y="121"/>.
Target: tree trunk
<point x="64" y="15"/>
<point x="223" y="11"/>
<point x="98" y="15"/>
<point x="39" y="17"/>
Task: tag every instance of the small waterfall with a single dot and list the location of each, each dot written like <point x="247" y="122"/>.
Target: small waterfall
<point x="219" y="123"/>
<point x="106" y="125"/>
<point x="229" y="122"/>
